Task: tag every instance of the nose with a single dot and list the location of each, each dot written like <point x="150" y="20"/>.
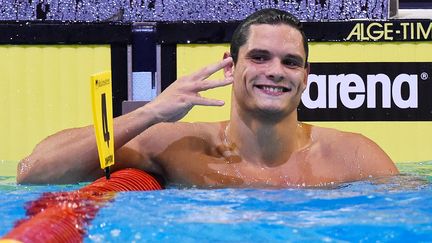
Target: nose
<point x="275" y="71"/>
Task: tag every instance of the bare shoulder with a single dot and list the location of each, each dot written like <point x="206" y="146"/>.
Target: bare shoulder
<point x="355" y="149"/>
<point x="159" y="136"/>
<point x="163" y="142"/>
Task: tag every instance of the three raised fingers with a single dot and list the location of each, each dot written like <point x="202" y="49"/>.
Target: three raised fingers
<point x="198" y="100"/>
<point x="211" y="69"/>
<point x="210" y="84"/>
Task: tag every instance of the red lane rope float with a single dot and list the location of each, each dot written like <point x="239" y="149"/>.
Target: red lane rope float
<point x="63" y="216"/>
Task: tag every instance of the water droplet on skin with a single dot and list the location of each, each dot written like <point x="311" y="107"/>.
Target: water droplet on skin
<point x="25" y="166"/>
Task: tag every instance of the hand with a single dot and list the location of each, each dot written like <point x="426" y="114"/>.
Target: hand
<point x="179" y="98"/>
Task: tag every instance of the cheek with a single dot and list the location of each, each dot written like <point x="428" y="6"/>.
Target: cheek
<point x="240" y="76"/>
<point x="302" y="84"/>
<point x="250" y="73"/>
<point x="302" y="79"/>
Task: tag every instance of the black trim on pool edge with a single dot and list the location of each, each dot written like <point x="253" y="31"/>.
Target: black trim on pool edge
<point x="45" y="32"/>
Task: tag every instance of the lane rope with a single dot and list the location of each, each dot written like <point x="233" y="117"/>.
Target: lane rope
<point x="64" y="216"/>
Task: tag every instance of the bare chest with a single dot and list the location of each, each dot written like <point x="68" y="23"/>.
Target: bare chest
<point x="303" y="169"/>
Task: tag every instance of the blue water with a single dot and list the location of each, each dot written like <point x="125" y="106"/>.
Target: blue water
<point x="385" y="210"/>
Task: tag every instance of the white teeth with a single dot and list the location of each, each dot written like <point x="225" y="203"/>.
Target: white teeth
<point x="272" y="89"/>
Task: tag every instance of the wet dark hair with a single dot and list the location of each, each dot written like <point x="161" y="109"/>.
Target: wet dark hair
<point x="265" y="16"/>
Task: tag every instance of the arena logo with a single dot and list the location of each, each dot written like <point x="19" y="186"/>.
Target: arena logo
<point x="325" y="91"/>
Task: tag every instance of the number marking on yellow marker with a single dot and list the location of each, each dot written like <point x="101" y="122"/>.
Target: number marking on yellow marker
<point x="101" y="95"/>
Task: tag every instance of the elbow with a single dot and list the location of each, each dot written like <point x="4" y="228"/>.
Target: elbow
<point x="25" y="174"/>
<point x="21" y="176"/>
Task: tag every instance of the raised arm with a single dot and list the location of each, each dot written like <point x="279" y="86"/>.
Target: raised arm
<point x="71" y="155"/>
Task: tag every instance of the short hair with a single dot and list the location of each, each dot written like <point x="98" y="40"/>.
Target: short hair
<point x="265" y="16"/>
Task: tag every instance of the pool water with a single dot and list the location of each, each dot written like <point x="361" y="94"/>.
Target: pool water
<point x="382" y="209"/>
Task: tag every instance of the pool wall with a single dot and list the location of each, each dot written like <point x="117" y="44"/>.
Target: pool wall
<point x="45" y="89"/>
<point x="45" y="73"/>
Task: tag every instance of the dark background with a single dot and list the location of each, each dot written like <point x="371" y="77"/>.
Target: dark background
<point x="415" y="4"/>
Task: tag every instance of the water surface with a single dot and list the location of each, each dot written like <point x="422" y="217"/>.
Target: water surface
<point x="381" y="209"/>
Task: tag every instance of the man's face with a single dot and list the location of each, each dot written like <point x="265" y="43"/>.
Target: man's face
<point x="270" y="73"/>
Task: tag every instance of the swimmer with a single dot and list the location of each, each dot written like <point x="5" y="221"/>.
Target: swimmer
<point x="262" y="145"/>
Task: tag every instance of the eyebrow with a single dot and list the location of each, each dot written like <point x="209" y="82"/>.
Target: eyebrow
<point x="257" y="52"/>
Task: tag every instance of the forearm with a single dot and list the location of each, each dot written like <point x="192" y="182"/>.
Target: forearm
<point x="71" y="155"/>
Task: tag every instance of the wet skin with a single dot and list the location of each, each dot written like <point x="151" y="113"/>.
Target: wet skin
<point x="262" y="145"/>
<point x="270" y="73"/>
<point x="197" y="157"/>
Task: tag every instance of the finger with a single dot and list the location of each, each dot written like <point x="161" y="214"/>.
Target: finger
<point x="198" y="100"/>
<point x="210" y="84"/>
<point x="209" y="70"/>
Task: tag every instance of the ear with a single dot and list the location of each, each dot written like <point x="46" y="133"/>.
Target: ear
<point x="228" y="69"/>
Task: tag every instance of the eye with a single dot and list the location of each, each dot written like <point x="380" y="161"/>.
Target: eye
<point x="259" y="58"/>
<point x="291" y="62"/>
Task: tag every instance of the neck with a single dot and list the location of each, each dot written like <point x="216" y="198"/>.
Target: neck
<point x="265" y="142"/>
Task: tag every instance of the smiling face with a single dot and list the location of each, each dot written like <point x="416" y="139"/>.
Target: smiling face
<point x="270" y="73"/>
